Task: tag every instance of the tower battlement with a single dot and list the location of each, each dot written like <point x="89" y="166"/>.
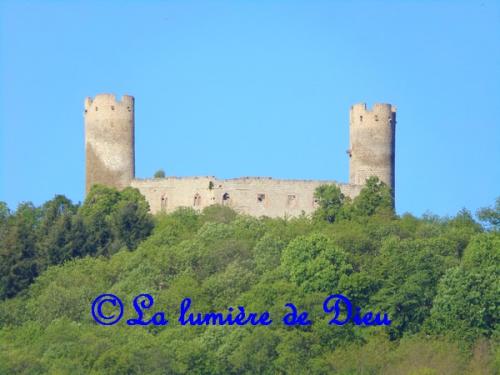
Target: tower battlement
<point x="379" y="112"/>
<point x="109" y="102"/>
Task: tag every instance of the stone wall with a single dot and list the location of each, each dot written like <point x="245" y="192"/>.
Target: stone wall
<point x="256" y="196"/>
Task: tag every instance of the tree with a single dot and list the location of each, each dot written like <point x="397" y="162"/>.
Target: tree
<point x="460" y="229"/>
<point x="375" y="197"/>
<point x="409" y="271"/>
<point x="4" y="212"/>
<point x="18" y="253"/>
<point x="466" y="305"/>
<point x="54" y="231"/>
<point x="315" y="263"/>
<point x="218" y="213"/>
<point x="160" y="173"/>
<point x="330" y="201"/>
<point x="66" y="240"/>
<point x="114" y="219"/>
<point x="267" y="253"/>
<point x="131" y="221"/>
<point x="4" y="215"/>
<point x="491" y="216"/>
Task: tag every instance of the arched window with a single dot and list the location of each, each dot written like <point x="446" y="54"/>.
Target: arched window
<point x="164" y="203"/>
<point x="315" y="202"/>
<point x="197" y="200"/>
<point x="226" y="199"/>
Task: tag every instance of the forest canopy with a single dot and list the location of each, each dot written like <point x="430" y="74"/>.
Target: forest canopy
<point x="438" y="278"/>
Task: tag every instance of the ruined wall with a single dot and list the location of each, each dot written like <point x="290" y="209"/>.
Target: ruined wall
<point x="256" y="196"/>
<point x="109" y="141"/>
<point x="109" y="146"/>
<point x="372" y="143"/>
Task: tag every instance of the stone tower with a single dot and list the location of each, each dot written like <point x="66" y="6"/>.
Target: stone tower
<point x="372" y="143"/>
<point x="109" y="141"/>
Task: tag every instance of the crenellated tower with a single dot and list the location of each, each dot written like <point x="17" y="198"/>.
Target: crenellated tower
<point x="109" y="141"/>
<point x="372" y="143"/>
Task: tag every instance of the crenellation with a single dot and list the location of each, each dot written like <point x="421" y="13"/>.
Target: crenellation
<point x="108" y="103"/>
<point x="109" y="138"/>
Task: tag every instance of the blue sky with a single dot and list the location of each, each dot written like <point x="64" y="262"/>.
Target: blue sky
<point x="255" y="88"/>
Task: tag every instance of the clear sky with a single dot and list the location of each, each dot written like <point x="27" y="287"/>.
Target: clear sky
<point x="255" y="88"/>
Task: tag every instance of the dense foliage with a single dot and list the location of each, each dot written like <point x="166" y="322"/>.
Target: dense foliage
<point x="34" y="238"/>
<point x="160" y="173"/>
<point x="438" y="279"/>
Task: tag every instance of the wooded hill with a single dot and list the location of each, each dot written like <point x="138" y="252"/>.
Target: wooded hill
<point x="437" y="278"/>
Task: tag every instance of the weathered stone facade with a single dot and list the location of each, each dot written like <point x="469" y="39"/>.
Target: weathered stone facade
<point x="109" y="143"/>
<point x="372" y="143"/>
<point x="257" y="196"/>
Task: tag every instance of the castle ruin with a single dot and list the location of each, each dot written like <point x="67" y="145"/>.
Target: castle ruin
<point x="110" y="160"/>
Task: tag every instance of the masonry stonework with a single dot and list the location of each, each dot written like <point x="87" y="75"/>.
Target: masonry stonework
<point x="372" y="143"/>
<point x="109" y="143"/>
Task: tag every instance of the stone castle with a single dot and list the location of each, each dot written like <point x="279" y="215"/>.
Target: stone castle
<point x="110" y="160"/>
